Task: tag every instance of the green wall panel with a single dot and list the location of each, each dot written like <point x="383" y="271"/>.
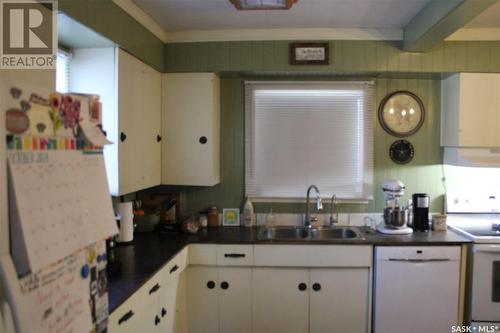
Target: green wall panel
<point x="422" y="174"/>
<point x="346" y="57"/>
<point x="112" y="22"/>
<point x="417" y="72"/>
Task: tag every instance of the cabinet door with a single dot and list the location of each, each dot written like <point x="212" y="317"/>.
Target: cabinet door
<point x="235" y="299"/>
<point x="479" y="110"/>
<point x="139" y="113"/>
<point x="201" y="296"/>
<point x="191" y="114"/>
<point x="169" y="305"/>
<point x="150" y="127"/>
<point x="339" y="300"/>
<point x="139" y="314"/>
<point x="278" y="303"/>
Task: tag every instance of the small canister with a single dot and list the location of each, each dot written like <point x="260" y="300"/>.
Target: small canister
<point x="213" y="217"/>
<point x="438" y="222"/>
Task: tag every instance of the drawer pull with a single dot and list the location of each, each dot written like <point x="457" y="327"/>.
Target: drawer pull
<point x="234" y="255"/>
<point x="157" y="320"/>
<point x="173" y="269"/>
<point x="163" y="312"/>
<point x="126" y="317"/>
<point x="154" y="289"/>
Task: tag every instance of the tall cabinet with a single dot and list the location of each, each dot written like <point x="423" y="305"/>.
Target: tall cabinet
<point x="130" y="92"/>
<point x="191" y="126"/>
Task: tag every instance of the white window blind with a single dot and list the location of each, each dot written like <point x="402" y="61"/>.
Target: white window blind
<point x="303" y="133"/>
<point x="62" y="71"/>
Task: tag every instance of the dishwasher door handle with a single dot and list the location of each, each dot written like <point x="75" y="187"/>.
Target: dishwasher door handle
<point x="488" y="249"/>
<point x="419" y="260"/>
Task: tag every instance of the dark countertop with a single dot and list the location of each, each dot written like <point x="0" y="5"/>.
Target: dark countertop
<point x="151" y="251"/>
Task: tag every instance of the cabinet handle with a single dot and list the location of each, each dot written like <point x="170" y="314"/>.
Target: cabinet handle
<point x="173" y="269"/>
<point x="203" y="140"/>
<point x="157" y="320"/>
<point x="234" y="255"/>
<point x="123" y="136"/>
<point x="163" y="312"/>
<point x="224" y="285"/>
<point x="210" y="284"/>
<point x="125" y="317"/>
<point x="302" y="286"/>
<point x="154" y="289"/>
<point x="316" y="287"/>
<point x="158" y="138"/>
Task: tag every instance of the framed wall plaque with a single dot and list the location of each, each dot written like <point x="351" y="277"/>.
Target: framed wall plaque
<point x="309" y="54"/>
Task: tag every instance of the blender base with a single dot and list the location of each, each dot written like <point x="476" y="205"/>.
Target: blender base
<point x="382" y="228"/>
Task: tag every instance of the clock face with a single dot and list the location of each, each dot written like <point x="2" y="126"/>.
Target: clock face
<point x="401" y="152"/>
<point x="401" y="113"/>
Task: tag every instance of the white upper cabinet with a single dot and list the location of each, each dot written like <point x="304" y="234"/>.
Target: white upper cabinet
<point x="470" y="110"/>
<point x="191" y="129"/>
<point x="131" y="97"/>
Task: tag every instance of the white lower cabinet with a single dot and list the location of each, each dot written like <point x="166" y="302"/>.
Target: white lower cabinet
<point x="339" y="300"/>
<point x="218" y="299"/>
<point x="201" y="299"/>
<point x="246" y="288"/>
<point x="278" y="303"/>
<point x="235" y="299"/>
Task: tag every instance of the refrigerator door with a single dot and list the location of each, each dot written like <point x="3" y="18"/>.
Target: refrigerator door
<point x="416" y="289"/>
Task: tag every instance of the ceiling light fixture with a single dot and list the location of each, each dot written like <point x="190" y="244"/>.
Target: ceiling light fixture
<point x="262" y="4"/>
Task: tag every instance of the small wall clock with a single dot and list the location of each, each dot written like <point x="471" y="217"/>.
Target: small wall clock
<point x="401" y="152"/>
<point x="401" y="113"/>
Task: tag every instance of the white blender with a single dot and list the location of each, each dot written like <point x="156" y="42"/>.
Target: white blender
<point x="395" y="216"/>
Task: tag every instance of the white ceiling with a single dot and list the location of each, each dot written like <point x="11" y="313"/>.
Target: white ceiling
<point x="200" y="15"/>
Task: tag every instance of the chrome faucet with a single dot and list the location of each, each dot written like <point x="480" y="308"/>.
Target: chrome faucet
<point x="319" y="206"/>
<point x="333" y="208"/>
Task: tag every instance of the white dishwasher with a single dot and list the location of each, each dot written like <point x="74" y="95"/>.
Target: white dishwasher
<point x="416" y="288"/>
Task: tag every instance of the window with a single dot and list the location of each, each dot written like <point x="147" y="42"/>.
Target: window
<point x="62" y="71"/>
<point x="303" y="133"/>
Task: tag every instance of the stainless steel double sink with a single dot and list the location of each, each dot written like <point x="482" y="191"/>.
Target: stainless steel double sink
<point x="309" y="234"/>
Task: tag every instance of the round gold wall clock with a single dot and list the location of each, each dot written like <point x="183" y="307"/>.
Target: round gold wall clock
<point x="401" y="113"/>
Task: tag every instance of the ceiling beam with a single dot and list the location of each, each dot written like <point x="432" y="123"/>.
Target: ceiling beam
<point x="439" y="19"/>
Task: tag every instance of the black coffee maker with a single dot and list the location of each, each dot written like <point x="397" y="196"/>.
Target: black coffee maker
<point x="420" y="211"/>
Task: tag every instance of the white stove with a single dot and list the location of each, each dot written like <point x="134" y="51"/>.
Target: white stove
<point x="477" y="217"/>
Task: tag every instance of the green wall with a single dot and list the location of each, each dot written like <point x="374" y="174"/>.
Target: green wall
<point x="112" y="22"/>
<point x="392" y="70"/>
<point x="346" y="57"/>
<point x="422" y="174"/>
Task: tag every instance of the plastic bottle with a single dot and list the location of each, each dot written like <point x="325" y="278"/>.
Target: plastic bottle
<point x="270" y="223"/>
<point x="248" y="214"/>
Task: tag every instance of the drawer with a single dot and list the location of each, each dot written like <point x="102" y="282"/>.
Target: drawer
<point x="313" y="255"/>
<point x="203" y="254"/>
<point x="176" y="265"/>
<point x="234" y="255"/>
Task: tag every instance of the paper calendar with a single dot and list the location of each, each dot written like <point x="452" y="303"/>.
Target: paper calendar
<point x="62" y="204"/>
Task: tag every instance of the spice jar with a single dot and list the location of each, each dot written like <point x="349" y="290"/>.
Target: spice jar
<point x="213" y="217"/>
